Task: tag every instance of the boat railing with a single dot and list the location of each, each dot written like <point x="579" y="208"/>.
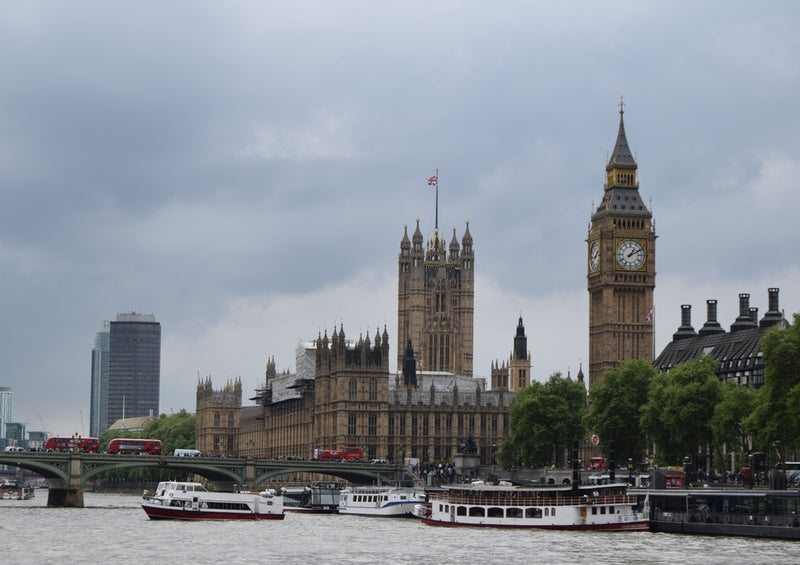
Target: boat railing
<point x="779" y="520"/>
<point x="520" y="499"/>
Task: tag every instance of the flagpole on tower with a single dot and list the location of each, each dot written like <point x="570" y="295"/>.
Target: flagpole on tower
<point x="434" y="180"/>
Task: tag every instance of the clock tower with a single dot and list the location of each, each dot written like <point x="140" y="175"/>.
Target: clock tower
<point x="621" y="267"/>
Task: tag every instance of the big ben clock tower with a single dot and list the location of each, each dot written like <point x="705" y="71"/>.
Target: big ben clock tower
<point x="621" y="267"/>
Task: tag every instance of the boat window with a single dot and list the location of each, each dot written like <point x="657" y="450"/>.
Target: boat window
<point x="533" y="512"/>
<point x="602" y="510"/>
<point x="476" y="511"/>
<point x="514" y="513"/>
<point x="594" y="509"/>
<point x="461" y="511"/>
<point x="546" y="511"/>
<point x="495" y="512"/>
<point x="552" y="512"/>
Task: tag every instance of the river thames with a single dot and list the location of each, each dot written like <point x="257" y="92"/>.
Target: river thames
<point x="113" y="529"/>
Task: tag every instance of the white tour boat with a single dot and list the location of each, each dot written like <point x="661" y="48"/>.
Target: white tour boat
<point x="587" y="507"/>
<point x="191" y="501"/>
<point x="380" y="501"/>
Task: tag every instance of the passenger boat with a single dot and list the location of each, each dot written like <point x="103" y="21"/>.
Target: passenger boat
<point x="565" y="507"/>
<point x="318" y="499"/>
<point x="726" y="512"/>
<point x="191" y="501"/>
<point x="380" y="501"/>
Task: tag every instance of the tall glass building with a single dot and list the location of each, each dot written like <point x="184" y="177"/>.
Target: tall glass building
<point x="6" y="408"/>
<point x="98" y="408"/>
<point x="134" y="367"/>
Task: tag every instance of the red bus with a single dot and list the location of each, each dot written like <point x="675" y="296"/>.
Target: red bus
<point x="69" y="443"/>
<point x="128" y="446"/>
<point x="598" y="463"/>
<point x="344" y="454"/>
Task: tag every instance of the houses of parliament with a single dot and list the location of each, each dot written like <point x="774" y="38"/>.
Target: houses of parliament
<point x="342" y="392"/>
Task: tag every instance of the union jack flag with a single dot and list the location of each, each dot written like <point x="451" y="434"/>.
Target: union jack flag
<point x="433" y="181"/>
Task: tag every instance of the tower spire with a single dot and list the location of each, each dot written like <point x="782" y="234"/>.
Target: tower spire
<point x="621" y="156"/>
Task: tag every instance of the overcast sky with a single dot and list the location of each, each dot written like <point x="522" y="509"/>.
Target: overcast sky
<point x="244" y="171"/>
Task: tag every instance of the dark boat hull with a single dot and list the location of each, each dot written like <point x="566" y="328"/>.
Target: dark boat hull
<point x="172" y="513"/>
<point x="742" y="530"/>
<point x="621" y="527"/>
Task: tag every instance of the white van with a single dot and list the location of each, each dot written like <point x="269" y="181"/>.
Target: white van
<point x="186" y="453"/>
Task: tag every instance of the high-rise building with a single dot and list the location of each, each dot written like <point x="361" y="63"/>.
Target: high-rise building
<point x="436" y="302"/>
<point x="621" y="267"/>
<point x="98" y="409"/>
<point x="134" y="367"/>
<point x="6" y="408"/>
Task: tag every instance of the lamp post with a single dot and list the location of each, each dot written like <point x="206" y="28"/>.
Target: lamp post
<point x="630" y="470"/>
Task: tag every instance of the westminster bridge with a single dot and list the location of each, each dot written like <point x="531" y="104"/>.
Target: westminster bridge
<point x="66" y="473"/>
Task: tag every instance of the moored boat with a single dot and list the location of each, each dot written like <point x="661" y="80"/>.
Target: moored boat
<point x="586" y="507"/>
<point x="742" y="512"/>
<point x="380" y="501"/>
<point x="318" y="499"/>
<point x="191" y="501"/>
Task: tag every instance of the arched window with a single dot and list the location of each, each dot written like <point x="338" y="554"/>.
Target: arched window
<point x="353" y="389"/>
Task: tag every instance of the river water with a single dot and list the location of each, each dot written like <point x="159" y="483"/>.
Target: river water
<point x="114" y="529"/>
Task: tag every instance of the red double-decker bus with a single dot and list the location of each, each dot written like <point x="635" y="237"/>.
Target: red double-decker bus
<point x="344" y="454"/>
<point x="130" y="445"/>
<point x="70" y="443"/>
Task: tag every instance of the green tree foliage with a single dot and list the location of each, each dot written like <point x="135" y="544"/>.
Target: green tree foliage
<point x="679" y="408"/>
<point x="544" y="419"/>
<point x="615" y="404"/>
<point x="730" y="415"/>
<point x="176" y="431"/>
<point x="775" y="421"/>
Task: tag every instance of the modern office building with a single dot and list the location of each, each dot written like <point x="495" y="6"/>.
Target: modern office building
<point x="134" y="368"/>
<point x="98" y="408"/>
<point x="6" y="408"/>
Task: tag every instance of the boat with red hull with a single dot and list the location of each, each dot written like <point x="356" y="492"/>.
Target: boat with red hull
<point x="588" y="507"/>
<point x="191" y="501"/>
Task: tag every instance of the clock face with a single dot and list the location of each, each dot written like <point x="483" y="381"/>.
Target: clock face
<point x="594" y="256"/>
<point x="630" y="254"/>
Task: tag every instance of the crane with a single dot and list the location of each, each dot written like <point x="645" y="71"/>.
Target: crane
<point x="41" y="421"/>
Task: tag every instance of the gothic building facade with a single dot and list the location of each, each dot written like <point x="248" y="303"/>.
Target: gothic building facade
<point x="218" y="416"/>
<point x="343" y="394"/>
<point x="515" y="374"/>
<point x="621" y="267"/>
<point x="436" y="301"/>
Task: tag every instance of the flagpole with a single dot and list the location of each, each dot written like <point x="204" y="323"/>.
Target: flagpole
<point x="436" y="226"/>
<point x="434" y="180"/>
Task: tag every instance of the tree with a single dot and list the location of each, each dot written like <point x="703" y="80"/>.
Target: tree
<point x="775" y="421"/>
<point x="544" y="419"/>
<point x="679" y="408"/>
<point x="730" y="415"/>
<point x="176" y="431"/>
<point x="615" y="404"/>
